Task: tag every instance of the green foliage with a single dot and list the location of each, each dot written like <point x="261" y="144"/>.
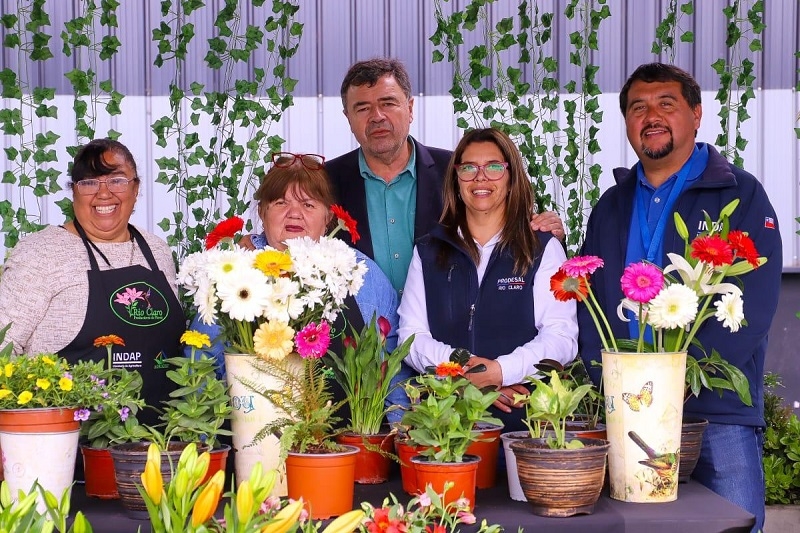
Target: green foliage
<point x="715" y="373"/>
<point x="668" y="28"/>
<point x="781" y="447"/>
<point x="21" y="515"/>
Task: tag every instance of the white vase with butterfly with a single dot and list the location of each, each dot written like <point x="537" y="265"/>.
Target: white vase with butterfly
<point x="644" y="405"/>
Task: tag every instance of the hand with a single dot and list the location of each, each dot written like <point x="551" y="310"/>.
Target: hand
<point x="550" y="222"/>
<point x="246" y="242"/>
<point x="506" y="400"/>
<point x="491" y="377"/>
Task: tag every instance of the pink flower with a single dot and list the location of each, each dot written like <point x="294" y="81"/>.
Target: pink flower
<point x="466" y="517"/>
<point x="350" y="342"/>
<point x="81" y="415"/>
<point x="581" y="265"/>
<point x="313" y="340"/>
<point x="641" y="282"/>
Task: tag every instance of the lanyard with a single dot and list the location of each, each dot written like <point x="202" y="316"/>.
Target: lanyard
<point x="653" y="242"/>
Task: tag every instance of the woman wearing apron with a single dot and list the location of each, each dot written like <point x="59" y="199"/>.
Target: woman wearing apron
<point x="64" y="286"/>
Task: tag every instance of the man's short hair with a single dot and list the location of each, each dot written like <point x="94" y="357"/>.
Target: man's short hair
<point x="370" y="71"/>
<point x="652" y="72"/>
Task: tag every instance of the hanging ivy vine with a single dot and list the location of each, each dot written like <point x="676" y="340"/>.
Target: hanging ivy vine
<point x="214" y="176"/>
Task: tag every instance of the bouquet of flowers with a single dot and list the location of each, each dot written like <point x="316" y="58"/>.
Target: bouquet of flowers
<point x="674" y="308"/>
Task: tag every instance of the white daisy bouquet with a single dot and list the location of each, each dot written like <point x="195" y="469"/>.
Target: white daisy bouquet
<point x="673" y="303"/>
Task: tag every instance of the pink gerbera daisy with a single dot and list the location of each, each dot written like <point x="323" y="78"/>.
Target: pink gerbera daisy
<point x="581" y="265"/>
<point x="313" y="340"/>
<point x="641" y="282"/>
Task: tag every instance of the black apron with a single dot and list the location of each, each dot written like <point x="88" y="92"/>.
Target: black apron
<point x="138" y="305"/>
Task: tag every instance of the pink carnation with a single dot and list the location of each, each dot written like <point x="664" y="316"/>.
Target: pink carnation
<point x="581" y="265"/>
<point x="313" y="340"/>
<point x="641" y="282"/>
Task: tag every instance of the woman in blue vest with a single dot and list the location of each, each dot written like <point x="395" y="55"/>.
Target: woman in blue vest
<point x="481" y="279"/>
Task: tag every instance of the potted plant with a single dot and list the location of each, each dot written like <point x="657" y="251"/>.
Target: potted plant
<point x="114" y="421"/>
<point x="43" y="399"/>
<point x="560" y="476"/>
<point x="366" y="370"/>
<point x="445" y="409"/>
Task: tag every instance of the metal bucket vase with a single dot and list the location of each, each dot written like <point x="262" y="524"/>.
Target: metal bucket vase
<point x="251" y="412"/>
<point x="644" y="406"/>
<point x="39" y="444"/>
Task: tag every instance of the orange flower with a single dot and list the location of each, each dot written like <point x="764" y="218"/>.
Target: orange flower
<point x="348" y="221"/>
<point x="566" y="288"/>
<point x="713" y="250"/>
<point x="108" y="340"/>
<point x="449" y="368"/>
<point x="226" y="229"/>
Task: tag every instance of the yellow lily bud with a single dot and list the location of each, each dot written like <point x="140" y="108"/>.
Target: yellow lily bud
<point x="208" y="499"/>
<point x="346" y="523"/>
<point x="200" y="468"/>
<point x="152" y="481"/>
<point x="188" y="457"/>
<point x="285" y="519"/>
<point x="154" y="455"/>
<point x="244" y="501"/>
<point x="181" y="483"/>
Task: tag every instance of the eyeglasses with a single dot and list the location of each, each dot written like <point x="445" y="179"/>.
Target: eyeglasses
<point x="493" y="170"/>
<point x="92" y="185"/>
<point x="287" y="159"/>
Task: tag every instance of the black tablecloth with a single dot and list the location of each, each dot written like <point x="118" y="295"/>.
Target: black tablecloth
<point x="697" y="510"/>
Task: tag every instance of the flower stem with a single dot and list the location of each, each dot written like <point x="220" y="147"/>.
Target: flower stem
<point x="594" y="309"/>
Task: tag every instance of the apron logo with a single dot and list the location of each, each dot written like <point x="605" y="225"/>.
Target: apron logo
<point x="139" y="304"/>
<point x="160" y="361"/>
<point x="514" y="283"/>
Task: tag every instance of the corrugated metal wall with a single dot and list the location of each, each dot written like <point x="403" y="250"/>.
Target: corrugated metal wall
<point x="339" y="32"/>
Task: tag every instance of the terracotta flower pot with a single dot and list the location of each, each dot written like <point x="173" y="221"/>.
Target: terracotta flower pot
<point x="436" y="474"/>
<point x="692" y="431"/>
<point x="325" y="481"/>
<point x="98" y="468"/>
<point x="561" y="482"/>
<point x="405" y="451"/>
<point x="219" y="458"/>
<point x="487" y="449"/>
<point x="372" y="467"/>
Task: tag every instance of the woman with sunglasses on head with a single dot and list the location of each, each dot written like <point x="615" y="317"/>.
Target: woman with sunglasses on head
<point x="294" y="200"/>
<point x="64" y="286"/>
<point x="480" y="280"/>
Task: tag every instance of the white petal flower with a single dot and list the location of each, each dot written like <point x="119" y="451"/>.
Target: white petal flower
<point x="674" y="307"/>
<point x="243" y="296"/>
<point x="730" y="311"/>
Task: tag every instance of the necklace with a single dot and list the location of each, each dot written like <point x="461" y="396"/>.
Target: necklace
<point x="133" y="250"/>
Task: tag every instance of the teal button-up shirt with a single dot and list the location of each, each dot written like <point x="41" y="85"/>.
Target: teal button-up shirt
<point x="391" y="210"/>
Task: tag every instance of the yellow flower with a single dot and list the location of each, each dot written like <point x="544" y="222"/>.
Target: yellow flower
<point x="244" y="501"/>
<point x="273" y="262"/>
<point x="152" y="481"/>
<point x="8" y="370"/>
<point x="65" y="383"/>
<point x="24" y="397"/>
<point x="4" y="393"/>
<point x="207" y="501"/>
<point x="195" y="339"/>
<point x="43" y="383"/>
<point x="273" y="340"/>
<point x="285" y="519"/>
<point x="48" y="361"/>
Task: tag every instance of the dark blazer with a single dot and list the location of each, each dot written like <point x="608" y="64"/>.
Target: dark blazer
<point x="431" y="166"/>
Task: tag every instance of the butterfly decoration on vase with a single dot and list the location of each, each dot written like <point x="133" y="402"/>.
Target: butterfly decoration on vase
<point x="643" y="399"/>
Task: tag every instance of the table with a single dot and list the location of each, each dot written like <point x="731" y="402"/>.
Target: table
<point x="697" y="510"/>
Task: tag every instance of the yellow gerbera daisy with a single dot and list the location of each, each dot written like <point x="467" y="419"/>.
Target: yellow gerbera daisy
<point x="273" y="262"/>
<point x="273" y="340"/>
<point x="195" y="339"/>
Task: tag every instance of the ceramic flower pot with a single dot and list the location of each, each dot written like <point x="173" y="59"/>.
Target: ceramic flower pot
<point x="325" y="481"/>
<point x="644" y="406"/>
<point x="436" y="474"/>
<point x="561" y="482"/>
<point x="98" y="469"/>
<point x="692" y="431"/>
<point x="372" y="466"/>
<point x="487" y="448"/>
<point x="39" y="444"/>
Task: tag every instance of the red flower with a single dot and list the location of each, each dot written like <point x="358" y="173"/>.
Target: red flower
<point x="224" y="230"/>
<point x="348" y="221"/>
<point x="350" y="342"/>
<point x="566" y="288"/>
<point x="744" y="247"/>
<point x="384" y="326"/>
<point x="436" y="528"/>
<point x="712" y="250"/>
<point x="449" y="368"/>
<point x="381" y="523"/>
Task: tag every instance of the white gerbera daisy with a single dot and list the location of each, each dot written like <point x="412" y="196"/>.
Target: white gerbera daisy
<point x="730" y="311"/>
<point x="206" y="301"/>
<point x="228" y="263"/>
<point x="243" y="296"/>
<point x="674" y="307"/>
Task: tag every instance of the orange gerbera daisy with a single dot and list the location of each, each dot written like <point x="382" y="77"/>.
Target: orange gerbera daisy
<point x="712" y="250"/>
<point x="566" y="288"/>
<point x="108" y="340"/>
<point x="449" y="368"/>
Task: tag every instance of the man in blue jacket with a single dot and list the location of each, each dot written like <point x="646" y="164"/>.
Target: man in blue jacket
<point x="634" y="220"/>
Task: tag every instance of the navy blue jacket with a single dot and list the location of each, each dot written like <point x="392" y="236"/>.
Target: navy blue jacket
<point x="607" y="237"/>
<point x="351" y="193"/>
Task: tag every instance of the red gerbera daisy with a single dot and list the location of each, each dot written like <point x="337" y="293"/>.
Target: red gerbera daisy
<point x="712" y="250"/>
<point x="566" y="288"/>
<point x="744" y="247"/>
<point x="449" y="368"/>
<point x="346" y="221"/>
<point x="226" y="229"/>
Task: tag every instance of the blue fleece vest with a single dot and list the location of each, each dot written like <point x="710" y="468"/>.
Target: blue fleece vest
<point x="489" y="320"/>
